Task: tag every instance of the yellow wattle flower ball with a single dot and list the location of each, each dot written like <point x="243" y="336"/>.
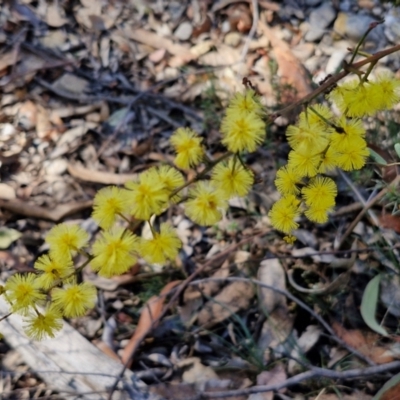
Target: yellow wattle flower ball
<point x="188" y="148"/>
<point x="42" y="324"/>
<point x="51" y="272"/>
<point x="163" y="246"/>
<point x="320" y="192"/>
<point x="114" y="252"/>
<point x="74" y="300"/>
<point x="206" y="204"/>
<point x="242" y="132"/>
<point x="318" y="214"/>
<point x="65" y="240"/>
<point x="147" y="196"/>
<point x="172" y="179"/>
<point x="283" y="214"/>
<point x="287" y="180"/>
<point x="231" y="178"/>
<point x="245" y="103"/>
<point x="386" y="91"/>
<point x="23" y="292"/>
<point x="108" y="204"/>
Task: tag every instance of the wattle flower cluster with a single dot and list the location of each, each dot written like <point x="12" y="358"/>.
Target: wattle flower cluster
<point x="45" y="297"/>
<point x="321" y="142"/>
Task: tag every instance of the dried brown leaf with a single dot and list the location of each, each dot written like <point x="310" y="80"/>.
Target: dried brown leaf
<point x="54" y="15"/>
<point x="271" y="273"/>
<point x="233" y="297"/>
<point x="365" y="344"/>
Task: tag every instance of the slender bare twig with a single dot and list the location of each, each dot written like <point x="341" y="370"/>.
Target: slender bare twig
<point x="333" y="80"/>
<point x="254" y="4"/>
<point x="312" y="374"/>
<point x="372" y="215"/>
<point x="367" y="206"/>
<point x="299" y="303"/>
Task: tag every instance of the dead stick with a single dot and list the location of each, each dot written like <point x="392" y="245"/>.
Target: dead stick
<point x="313" y="373"/>
<point x="367" y="206"/>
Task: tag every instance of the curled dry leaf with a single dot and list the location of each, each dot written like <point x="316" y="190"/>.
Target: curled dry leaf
<point x="337" y="284"/>
<point x="234" y="297"/>
<point x="193" y="296"/>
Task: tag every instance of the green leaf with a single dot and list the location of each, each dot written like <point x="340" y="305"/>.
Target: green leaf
<point x="397" y="149"/>
<point x="369" y="303"/>
<point x="393" y="381"/>
<point x="8" y="236"/>
<point x="376" y="157"/>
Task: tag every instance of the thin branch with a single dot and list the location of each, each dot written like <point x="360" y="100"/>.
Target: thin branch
<point x="367" y="206"/>
<point x="314" y="373"/>
<point x="252" y="32"/>
<point x="300" y="303"/>
<point x="334" y="79"/>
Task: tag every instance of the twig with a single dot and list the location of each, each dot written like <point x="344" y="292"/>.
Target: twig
<point x="299" y="303"/>
<point x="331" y="81"/>
<point x="252" y="32"/>
<point x="177" y="292"/>
<point x="314" y="373"/>
<point x="367" y="206"/>
<point x="373" y="217"/>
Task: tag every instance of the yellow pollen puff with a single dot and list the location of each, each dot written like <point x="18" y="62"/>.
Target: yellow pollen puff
<point x="320" y="192"/>
<point x="304" y="163"/>
<point x="242" y="132"/>
<point x="108" y="203"/>
<point x="74" y="300"/>
<point x="206" y="204"/>
<point x="287" y="180"/>
<point x="163" y="246"/>
<point x="188" y="148"/>
<point x="232" y="178"/>
<point x="65" y="240"/>
<point x="47" y="323"/>
<point x="147" y="196"/>
<point x="283" y="214"/>
<point x="114" y="252"/>
<point x="245" y="103"/>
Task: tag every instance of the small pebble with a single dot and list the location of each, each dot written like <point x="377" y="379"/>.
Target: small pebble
<point x="392" y="25"/>
<point x="319" y="20"/>
<point x="55" y="167"/>
<point x="354" y="26"/>
<point x="303" y="51"/>
<point x="184" y="31"/>
<point x="232" y="39"/>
